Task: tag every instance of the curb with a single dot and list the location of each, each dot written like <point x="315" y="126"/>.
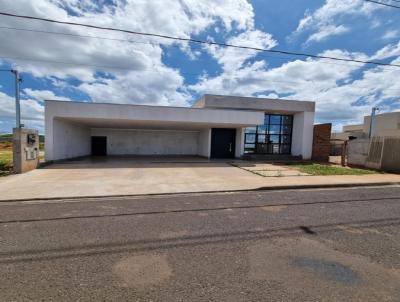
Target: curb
<point x="292" y="187"/>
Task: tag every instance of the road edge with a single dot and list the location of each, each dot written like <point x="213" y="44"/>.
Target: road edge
<point x="276" y="188"/>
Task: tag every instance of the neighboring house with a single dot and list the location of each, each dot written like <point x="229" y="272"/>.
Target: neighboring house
<point x="384" y="125"/>
<point x="348" y="131"/>
<point x="215" y="127"/>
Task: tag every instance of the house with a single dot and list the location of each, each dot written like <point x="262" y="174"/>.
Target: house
<point x="349" y="131"/>
<point x="214" y="127"/>
<point x="384" y="125"/>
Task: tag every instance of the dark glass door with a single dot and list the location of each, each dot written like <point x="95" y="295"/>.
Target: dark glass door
<point x="99" y="145"/>
<point x="223" y="143"/>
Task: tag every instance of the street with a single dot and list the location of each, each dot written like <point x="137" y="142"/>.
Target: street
<point x="339" y="244"/>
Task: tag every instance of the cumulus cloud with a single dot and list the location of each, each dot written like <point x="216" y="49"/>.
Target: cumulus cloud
<point x="326" y="32"/>
<point x="129" y="65"/>
<point x="391" y="34"/>
<point x="31" y="110"/>
<point x="339" y="98"/>
<point x="324" y="22"/>
<point x="234" y="58"/>
<point x="42" y="95"/>
<point x="121" y="68"/>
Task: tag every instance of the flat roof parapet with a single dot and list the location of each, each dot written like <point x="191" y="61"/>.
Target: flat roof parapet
<point x="253" y="103"/>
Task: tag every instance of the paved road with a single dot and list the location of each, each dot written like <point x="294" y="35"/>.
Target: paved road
<point x="307" y="245"/>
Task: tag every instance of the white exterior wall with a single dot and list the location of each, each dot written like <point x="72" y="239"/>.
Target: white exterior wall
<point x="386" y="124"/>
<point x="67" y="140"/>
<point x="153" y="115"/>
<point x="302" y="134"/>
<point x="204" y="143"/>
<point x="149" y="142"/>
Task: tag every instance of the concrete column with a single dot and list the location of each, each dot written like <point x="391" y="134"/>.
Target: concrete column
<point x="302" y="134"/>
<point x="204" y="143"/>
<point x="25" y="150"/>
<point x="239" y="145"/>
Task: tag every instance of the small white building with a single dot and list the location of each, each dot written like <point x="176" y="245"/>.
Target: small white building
<point x="215" y="127"/>
<point x="384" y="125"/>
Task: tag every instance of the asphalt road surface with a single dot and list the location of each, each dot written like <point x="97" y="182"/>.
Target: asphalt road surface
<point x="304" y="245"/>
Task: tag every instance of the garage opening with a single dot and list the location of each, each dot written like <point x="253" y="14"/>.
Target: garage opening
<point x="99" y="145"/>
<point x="223" y="143"/>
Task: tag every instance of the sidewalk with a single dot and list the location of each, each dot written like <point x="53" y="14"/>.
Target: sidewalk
<point x="118" y="178"/>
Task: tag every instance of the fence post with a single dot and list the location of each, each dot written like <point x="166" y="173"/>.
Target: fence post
<point x="344" y="151"/>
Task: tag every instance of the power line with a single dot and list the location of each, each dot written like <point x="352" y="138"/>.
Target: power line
<point x="120" y="67"/>
<point x="198" y="41"/>
<point x="77" y="35"/>
<point x="148" y="42"/>
<point x="127" y="68"/>
<point x="308" y="82"/>
<point x="381" y="3"/>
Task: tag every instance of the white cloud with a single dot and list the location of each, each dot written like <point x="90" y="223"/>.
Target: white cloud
<point x="326" y="32"/>
<point x="234" y="58"/>
<point x="178" y="18"/>
<point x="41" y="95"/>
<point x="325" y="21"/>
<point x="327" y="83"/>
<point x="134" y="71"/>
<point x="31" y="110"/>
<point x="391" y="50"/>
<point x="391" y="34"/>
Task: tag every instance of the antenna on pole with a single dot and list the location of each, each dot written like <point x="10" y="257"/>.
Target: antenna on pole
<point x="18" y="80"/>
<point x="371" y="126"/>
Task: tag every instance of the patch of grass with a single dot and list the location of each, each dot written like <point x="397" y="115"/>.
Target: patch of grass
<point x="318" y="169"/>
<point x="5" y="162"/>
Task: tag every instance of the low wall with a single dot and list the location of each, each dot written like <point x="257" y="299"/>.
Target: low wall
<point x="357" y="152"/>
<point x="377" y="153"/>
<point x="391" y="154"/>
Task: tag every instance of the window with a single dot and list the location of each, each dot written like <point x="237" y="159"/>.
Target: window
<point x="273" y="137"/>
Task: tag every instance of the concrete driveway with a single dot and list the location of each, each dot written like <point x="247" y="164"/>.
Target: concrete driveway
<point x="158" y="175"/>
<point x="124" y="176"/>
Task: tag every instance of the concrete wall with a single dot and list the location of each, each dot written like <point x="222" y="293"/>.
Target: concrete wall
<point x="351" y="128"/>
<point x="391" y="154"/>
<point x="254" y="103"/>
<point x="386" y="124"/>
<point x="68" y="140"/>
<point x="149" y="142"/>
<point x="357" y="152"/>
<point x="157" y="116"/>
<point x="25" y="155"/>
<point x="378" y="153"/>
<point x="302" y="134"/>
<point x="204" y="143"/>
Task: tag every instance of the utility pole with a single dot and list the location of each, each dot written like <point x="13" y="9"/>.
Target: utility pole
<point x="373" y="112"/>
<point x="18" y="80"/>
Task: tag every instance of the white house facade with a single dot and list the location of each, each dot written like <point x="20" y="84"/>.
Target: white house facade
<point x="215" y="127"/>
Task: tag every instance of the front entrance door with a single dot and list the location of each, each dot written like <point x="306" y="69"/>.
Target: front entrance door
<point x="223" y="143"/>
<point x="99" y="145"/>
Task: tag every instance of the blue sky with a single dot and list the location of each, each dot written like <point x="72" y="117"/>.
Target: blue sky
<point x="120" y="68"/>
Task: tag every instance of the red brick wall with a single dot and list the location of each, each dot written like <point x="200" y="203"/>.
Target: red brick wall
<point x="321" y="142"/>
